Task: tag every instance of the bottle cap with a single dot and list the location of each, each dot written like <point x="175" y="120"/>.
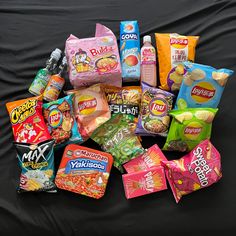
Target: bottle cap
<point x="56" y="54"/>
<point x="147" y="38"/>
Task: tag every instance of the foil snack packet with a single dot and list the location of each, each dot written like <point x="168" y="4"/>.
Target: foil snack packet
<point x="198" y="169"/>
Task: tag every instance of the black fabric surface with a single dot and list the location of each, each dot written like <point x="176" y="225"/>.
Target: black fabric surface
<point x="30" y="30"/>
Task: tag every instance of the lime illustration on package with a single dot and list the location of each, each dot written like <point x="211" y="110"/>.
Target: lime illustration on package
<point x="202" y="86"/>
<point x="188" y="128"/>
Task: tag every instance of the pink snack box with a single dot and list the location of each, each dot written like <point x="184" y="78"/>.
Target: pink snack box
<point x="152" y="157"/>
<point x="144" y="182"/>
<point x="94" y="60"/>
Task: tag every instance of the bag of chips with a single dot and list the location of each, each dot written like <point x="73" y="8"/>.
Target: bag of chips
<point x="198" y="169"/>
<point x="117" y="137"/>
<point x="188" y="128"/>
<point x="91" y="109"/>
<point x="27" y="121"/>
<point x="37" y="166"/>
<point x="155" y="105"/>
<point x="61" y="121"/>
<point x="173" y="50"/>
<point x="202" y="86"/>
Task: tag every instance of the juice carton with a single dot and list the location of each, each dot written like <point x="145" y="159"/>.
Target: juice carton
<point x="144" y="182"/>
<point x="130" y="50"/>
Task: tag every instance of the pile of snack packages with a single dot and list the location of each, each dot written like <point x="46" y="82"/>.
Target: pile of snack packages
<point x="116" y="117"/>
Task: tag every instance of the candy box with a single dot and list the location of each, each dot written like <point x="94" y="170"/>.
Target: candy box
<point x="152" y="157"/>
<point x="173" y="49"/>
<point x="84" y="171"/>
<point x="144" y="182"/>
<point x="27" y="121"/>
<point x="202" y="86"/>
<point x="130" y="50"/>
<point x="94" y="60"/>
<point x="196" y="170"/>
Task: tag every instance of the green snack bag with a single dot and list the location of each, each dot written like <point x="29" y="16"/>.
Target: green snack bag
<point x="117" y="137"/>
<point x="188" y="128"/>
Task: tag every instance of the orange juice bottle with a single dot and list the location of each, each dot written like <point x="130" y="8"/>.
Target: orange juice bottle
<point x="55" y="84"/>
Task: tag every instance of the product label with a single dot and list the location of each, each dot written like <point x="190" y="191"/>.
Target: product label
<point x="124" y="109"/>
<point x="193" y="130"/>
<point x="158" y="107"/>
<point x="148" y="56"/>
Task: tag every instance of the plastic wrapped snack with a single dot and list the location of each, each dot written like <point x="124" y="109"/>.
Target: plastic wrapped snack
<point x="188" y="128"/>
<point x="150" y="158"/>
<point x="117" y="137"/>
<point x="27" y="121"/>
<point x="198" y="169"/>
<point x="94" y="60"/>
<point x="84" y="171"/>
<point x="144" y="182"/>
<point x="155" y="105"/>
<point x="60" y="120"/>
<point x="37" y="166"/>
<point x="202" y="86"/>
<point x="173" y="50"/>
<point x="91" y="109"/>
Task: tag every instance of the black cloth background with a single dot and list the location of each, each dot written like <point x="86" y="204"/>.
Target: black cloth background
<point x="29" y="31"/>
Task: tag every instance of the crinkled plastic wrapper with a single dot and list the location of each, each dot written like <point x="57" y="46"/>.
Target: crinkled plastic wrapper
<point x="37" y="166"/>
<point x="188" y="128"/>
<point x="91" y="109"/>
<point x="117" y="137"/>
<point x="94" y="60"/>
<point x="60" y="120"/>
<point x="173" y="49"/>
<point x="202" y="86"/>
<point x="154" y="118"/>
<point x="198" y="169"/>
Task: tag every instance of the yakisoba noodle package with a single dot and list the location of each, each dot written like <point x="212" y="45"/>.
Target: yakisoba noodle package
<point x="91" y="109"/>
<point x="27" y="122"/>
<point x="144" y="182"/>
<point x="173" y="50"/>
<point x="202" y="86"/>
<point x="84" y="171"/>
<point x="94" y="60"/>
<point x="37" y="166"/>
<point x="198" y="169"/>
<point x="155" y="105"/>
<point x="188" y="128"/>
<point x="60" y="120"/>
<point x="150" y="158"/>
<point x="117" y="137"/>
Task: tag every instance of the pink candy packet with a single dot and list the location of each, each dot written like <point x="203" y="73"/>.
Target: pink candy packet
<point x="198" y="169"/>
<point x="152" y="157"/>
<point x="144" y="182"/>
<point x="94" y="60"/>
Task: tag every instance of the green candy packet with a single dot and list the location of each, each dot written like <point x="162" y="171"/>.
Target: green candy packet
<point x="117" y="137"/>
<point x="188" y="128"/>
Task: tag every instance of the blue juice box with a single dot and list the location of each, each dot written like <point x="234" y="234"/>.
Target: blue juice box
<point x="130" y="50"/>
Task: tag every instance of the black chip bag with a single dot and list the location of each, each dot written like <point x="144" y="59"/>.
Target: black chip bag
<point x="37" y="166"/>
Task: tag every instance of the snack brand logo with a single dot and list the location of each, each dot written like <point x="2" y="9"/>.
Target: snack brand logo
<point x="101" y="50"/>
<point x="203" y="92"/>
<point x="87" y="104"/>
<point x="85" y="164"/>
<point x="148" y="159"/>
<point x="55" y="118"/>
<point x="84" y="153"/>
<point x="149" y="182"/>
<point x="158" y="107"/>
<point x="129" y="36"/>
<point x="21" y="113"/>
<point x="201" y="168"/>
<point x="179" y="41"/>
<point x="192" y="130"/>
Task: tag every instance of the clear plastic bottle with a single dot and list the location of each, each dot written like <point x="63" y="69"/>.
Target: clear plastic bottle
<point x="43" y="75"/>
<point x="56" y="83"/>
<point x="148" y="62"/>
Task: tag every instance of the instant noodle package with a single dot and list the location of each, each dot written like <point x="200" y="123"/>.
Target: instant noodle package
<point x="202" y="86"/>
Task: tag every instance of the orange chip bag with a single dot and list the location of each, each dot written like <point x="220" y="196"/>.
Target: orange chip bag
<point x="91" y="109"/>
<point x="173" y="49"/>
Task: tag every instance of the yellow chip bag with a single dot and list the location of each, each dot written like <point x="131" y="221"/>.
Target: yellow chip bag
<point x="172" y="50"/>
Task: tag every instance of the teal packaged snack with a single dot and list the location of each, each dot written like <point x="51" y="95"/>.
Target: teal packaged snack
<point x="130" y="50"/>
<point x="37" y="166"/>
<point x="202" y="86"/>
<point x="60" y="120"/>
